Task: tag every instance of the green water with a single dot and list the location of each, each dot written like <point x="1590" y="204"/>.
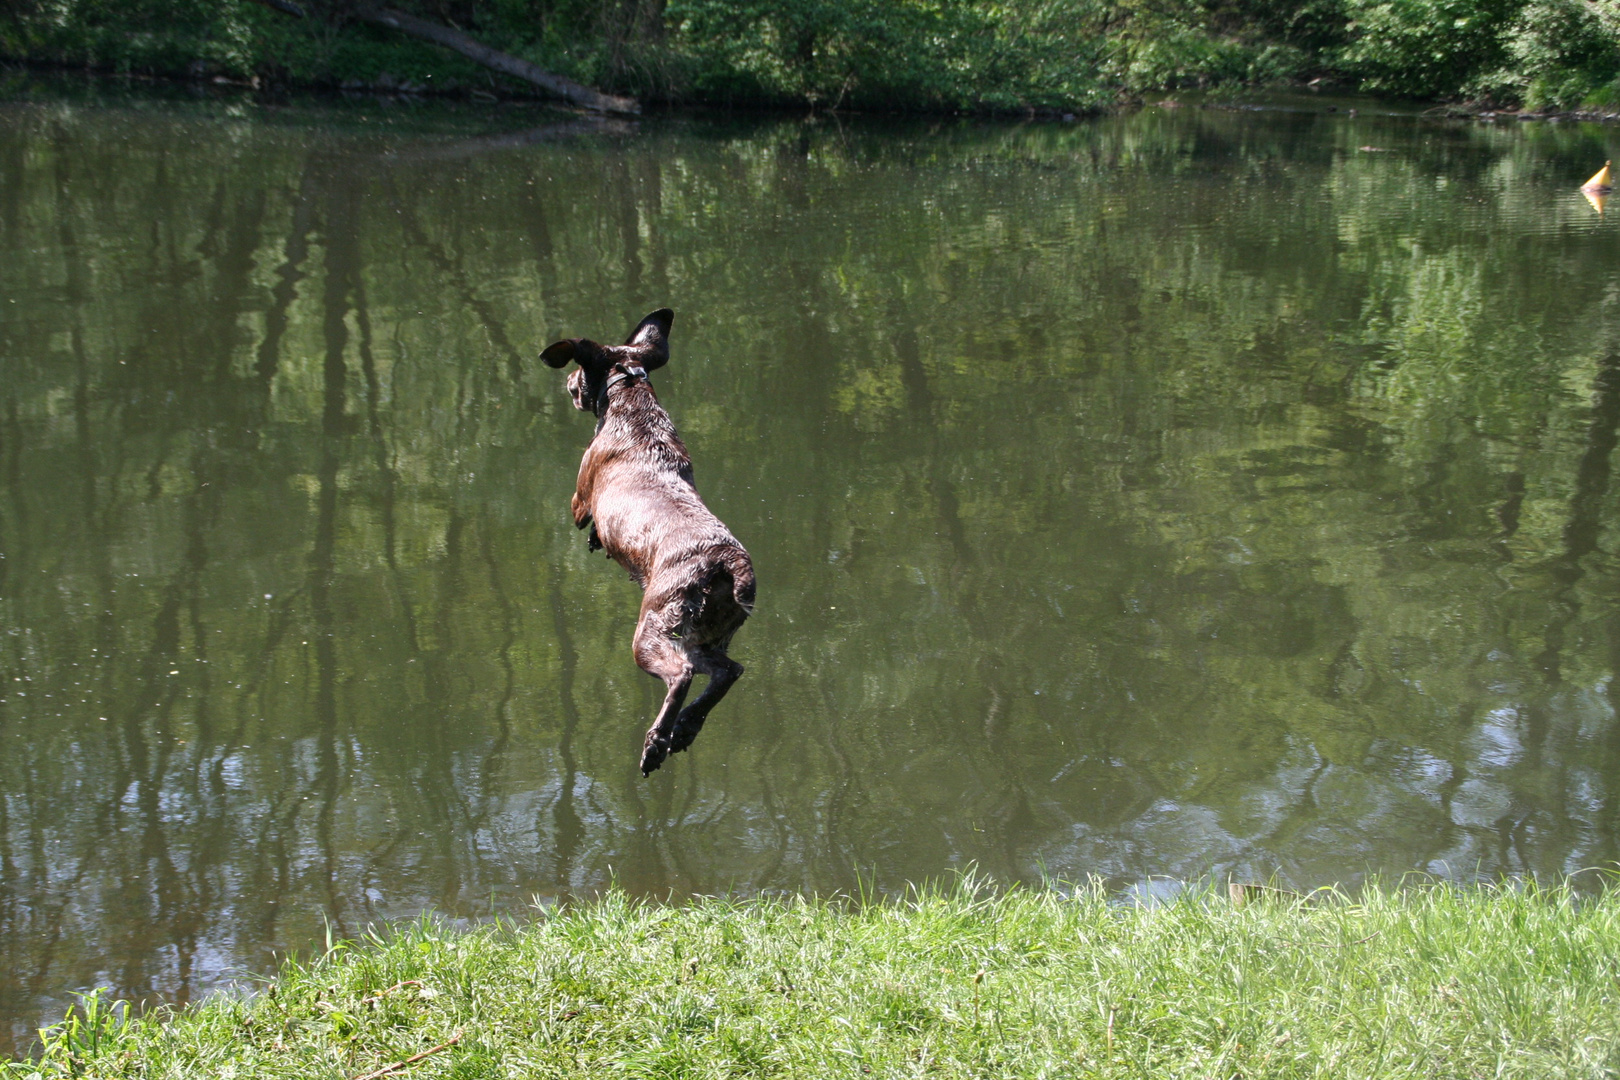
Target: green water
<point x="1183" y="493"/>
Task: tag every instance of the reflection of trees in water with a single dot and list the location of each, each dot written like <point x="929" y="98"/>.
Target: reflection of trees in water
<point x="1137" y="528"/>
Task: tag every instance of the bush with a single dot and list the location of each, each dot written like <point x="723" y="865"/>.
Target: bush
<point x="1427" y="48"/>
<point x="892" y="53"/>
<point x="137" y="35"/>
<point x="1560" y="54"/>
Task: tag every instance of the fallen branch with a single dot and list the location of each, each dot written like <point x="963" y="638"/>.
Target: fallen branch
<point x="505" y="63"/>
<point x="477" y="51"/>
<point x="400" y="1066"/>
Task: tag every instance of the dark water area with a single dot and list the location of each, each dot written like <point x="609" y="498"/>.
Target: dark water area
<point x="1190" y="492"/>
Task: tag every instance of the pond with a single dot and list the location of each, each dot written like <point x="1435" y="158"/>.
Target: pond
<point x="1193" y="492"/>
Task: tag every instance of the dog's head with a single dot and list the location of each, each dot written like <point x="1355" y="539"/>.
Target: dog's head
<point x="647" y="348"/>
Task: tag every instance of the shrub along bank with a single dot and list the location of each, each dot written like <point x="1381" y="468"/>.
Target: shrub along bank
<point x="1426" y="982"/>
<point x="880" y="54"/>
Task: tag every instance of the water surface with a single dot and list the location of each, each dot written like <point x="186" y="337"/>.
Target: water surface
<point x="1188" y="492"/>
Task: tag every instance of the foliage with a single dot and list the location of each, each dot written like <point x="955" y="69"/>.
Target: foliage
<point x="917" y="53"/>
<point x="1427" y="48"/>
<point x="1151" y="45"/>
<point x="912" y="54"/>
<point x="141" y="35"/>
<point x="1515" y="981"/>
<point x="1560" y="54"/>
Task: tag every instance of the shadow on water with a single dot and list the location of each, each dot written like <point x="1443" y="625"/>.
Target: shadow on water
<point x="1166" y="495"/>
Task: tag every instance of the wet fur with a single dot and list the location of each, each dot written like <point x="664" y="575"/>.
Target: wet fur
<point x="636" y="494"/>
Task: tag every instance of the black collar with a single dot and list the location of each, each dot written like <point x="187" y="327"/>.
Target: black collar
<point x="621" y="374"/>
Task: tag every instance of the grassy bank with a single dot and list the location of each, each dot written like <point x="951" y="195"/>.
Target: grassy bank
<point x="878" y="54"/>
<point x="1429" y="982"/>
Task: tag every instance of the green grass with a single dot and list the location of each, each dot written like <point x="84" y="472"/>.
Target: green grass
<point x="1433" y="981"/>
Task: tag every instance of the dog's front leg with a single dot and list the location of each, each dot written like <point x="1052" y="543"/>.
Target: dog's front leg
<point x="582" y="518"/>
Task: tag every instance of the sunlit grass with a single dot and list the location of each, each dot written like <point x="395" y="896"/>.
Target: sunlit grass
<point x="1430" y="981"/>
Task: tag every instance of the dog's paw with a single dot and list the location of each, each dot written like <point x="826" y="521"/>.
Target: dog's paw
<point x="594" y="543"/>
<point x="653" y="754"/>
<point x="686" y="729"/>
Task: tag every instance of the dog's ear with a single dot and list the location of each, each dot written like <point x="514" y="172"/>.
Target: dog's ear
<point x="558" y="353"/>
<point x="650" y="339"/>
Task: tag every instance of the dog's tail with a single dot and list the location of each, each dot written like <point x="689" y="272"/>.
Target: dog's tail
<point x="741" y="571"/>
<point x="723" y="599"/>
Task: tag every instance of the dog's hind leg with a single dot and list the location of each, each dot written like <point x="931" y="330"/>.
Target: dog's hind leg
<point x="661" y="657"/>
<point x="722" y="671"/>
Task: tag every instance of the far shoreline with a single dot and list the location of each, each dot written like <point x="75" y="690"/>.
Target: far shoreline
<point x="1335" y="99"/>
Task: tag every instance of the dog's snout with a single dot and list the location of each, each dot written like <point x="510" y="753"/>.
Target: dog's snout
<point x="576" y="389"/>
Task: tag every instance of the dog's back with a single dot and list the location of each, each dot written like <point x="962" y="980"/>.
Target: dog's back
<point x="636" y="492"/>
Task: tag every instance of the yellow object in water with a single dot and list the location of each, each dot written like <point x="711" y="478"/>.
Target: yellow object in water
<point x="1600" y="180"/>
<point x="1597" y="197"/>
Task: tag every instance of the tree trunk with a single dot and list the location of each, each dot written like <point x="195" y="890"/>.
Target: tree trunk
<point x="505" y="63"/>
<point x="477" y="51"/>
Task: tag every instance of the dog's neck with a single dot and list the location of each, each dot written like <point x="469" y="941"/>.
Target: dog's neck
<point x="622" y="373"/>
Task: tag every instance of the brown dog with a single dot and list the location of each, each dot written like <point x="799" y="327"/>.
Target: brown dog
<point x="635" y="490"/>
